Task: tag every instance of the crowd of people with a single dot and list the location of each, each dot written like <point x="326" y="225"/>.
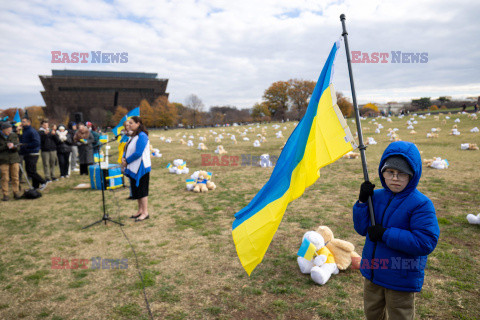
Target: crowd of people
<point x="63" y="150"/>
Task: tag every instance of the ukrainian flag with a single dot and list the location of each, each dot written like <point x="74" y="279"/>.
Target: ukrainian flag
<point x="121" y="146"/>
<point x="320" y="138"/>
<point x="103" y="138"/>
<point x="134" y="112"/>
<point x="17" y="119"/>
<point x="307" y="250"/>
<point x="97" y="157"/>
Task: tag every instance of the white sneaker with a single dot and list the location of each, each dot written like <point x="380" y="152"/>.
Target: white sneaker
<point x="76" y="170"/>
<point x="43" y="186"/>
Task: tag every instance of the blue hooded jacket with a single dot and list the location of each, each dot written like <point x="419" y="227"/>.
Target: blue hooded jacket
<point x="398" y="261"/>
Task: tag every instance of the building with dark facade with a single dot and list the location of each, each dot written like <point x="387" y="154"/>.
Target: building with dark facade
<point x="95" y="94"/>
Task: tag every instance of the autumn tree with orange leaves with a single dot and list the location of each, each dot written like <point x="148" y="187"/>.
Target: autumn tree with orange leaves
<point x="344" y="105"/>
<point x="120" y="112"/>
<point x="299" y="93"/>
<point x="276" y="99"/>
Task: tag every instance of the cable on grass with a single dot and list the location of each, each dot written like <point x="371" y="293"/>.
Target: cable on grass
<point x="136" y="262"/>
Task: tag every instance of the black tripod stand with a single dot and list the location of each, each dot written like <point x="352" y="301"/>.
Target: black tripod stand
<point x="102" y="186"/>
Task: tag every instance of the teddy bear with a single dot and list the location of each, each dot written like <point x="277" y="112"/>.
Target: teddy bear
<point x="343" y="251"/>
<point x="179" y="167"/>
<point x="322" y="266"/>
<point x="473" y="219"/>
<point x="394" y="137"/>
<point x="370" y="141"/>
<point x="468" y="146"/>
<point x="203" y="183"/>
<point x="155" y="152"/>
<point x="455" y="132"/>
<point x="351" y="155"/>
<point x="220" y="150"/>
<point x="436" y="163"/>
<point x="265" y="161"/>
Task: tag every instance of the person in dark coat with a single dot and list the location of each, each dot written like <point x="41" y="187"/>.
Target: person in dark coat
<point x="9" y="161"/>
<point x="406" y="231"/>
<point x="30" y="149"/>
<point x="72" y="130"/>
<point x="48" y="149"/>
<point x="84" y="140"/>
<point x="64" y="141"/>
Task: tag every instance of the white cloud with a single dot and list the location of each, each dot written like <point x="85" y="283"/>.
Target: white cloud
<point x="230" y="52"/>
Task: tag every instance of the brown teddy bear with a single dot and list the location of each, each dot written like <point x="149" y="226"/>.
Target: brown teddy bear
<point x="351" y="155"/>
<point x="203" y="182"/>
<point x="343" y="251"/>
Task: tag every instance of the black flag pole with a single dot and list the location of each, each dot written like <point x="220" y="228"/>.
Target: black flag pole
<point x="361" y="146"/>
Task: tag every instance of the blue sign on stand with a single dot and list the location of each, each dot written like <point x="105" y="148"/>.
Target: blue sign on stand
<point x="112" y="177"/>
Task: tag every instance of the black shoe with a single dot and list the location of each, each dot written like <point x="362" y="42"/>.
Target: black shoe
<point x="16" y="196"/>
<point x="5" y="198"/>
<point x="138" y="220"/>
<point x="135" y="217"/>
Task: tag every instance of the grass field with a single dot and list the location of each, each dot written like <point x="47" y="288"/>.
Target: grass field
<point x="186" y="253"/>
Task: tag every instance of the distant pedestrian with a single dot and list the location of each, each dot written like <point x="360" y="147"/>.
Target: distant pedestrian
<point x="84" y="140"/>
<point x="64" y="146"/>
<point x="48" y="149"/>
<point x="30" y="149"/>
<point x="72" y="130"/>
<point x="9" y="161"/>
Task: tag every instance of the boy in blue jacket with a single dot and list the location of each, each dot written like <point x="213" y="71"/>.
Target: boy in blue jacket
<point x="405" y="232"/>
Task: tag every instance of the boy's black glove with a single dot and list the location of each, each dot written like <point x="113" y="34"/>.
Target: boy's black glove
<point x="366" y="190"/>
<point x="376" y="232"/>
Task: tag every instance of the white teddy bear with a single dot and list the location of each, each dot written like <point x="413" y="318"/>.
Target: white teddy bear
<point x="321" y="266"/>
<point x="265" y="161"/>
<point x="473" y="219"/>
<point x="179" y="167"/>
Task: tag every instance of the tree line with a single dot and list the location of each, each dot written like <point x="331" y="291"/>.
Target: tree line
<point x="281" y="101"/>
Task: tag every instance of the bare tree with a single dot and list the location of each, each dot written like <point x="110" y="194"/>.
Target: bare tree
<point x="195" y="103"/>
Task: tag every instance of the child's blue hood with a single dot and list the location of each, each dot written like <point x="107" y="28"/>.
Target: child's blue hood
<point x="410" y="152"/>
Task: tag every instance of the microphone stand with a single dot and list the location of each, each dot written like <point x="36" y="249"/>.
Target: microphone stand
<point x="105" y="217"/>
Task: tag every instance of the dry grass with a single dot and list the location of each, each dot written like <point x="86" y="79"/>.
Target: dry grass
<point x="185" y="249"/>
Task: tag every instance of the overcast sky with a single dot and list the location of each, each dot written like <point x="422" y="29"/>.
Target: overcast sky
<point x="229" y="52"/>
